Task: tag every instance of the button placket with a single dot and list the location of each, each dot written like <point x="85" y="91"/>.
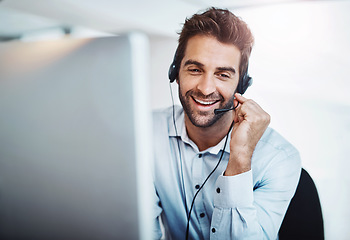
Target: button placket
<point x="198" y="178"/>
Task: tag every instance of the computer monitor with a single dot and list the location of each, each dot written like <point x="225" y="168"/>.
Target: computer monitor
<point x="75" y="139"/>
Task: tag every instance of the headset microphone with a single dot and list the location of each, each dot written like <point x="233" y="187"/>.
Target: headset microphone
<point x="222" y="110"/>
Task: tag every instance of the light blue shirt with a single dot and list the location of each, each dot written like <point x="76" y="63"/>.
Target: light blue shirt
<point x="250" y="205"/>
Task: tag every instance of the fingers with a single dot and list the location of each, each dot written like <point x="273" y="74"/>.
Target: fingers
<point x="249" y="110"/>
<point x="237" y="101"/>
<point x="240" y="98"/>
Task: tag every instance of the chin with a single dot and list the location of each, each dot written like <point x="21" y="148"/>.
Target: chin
<point x="203" y="121"/>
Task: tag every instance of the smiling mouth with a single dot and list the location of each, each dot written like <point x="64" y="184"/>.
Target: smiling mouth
<point x="205" y="102"/>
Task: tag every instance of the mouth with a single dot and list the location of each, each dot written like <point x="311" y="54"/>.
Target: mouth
<point x="205" y="104"/>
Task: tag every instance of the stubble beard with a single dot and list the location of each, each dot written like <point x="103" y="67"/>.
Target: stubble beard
<point x="203" y="119"/>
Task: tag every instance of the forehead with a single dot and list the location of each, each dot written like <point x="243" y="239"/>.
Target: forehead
<point x="210" y="52"/>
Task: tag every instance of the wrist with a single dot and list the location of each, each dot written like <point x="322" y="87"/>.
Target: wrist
<point x="237" y="166"/>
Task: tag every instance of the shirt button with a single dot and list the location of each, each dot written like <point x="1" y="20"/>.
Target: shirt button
<point x="202" y="215"/>
<point x="197" y="186"/>
<point x="218" y="190"/>
<point x="213" y="230"/>
<point x="200" y="155"/>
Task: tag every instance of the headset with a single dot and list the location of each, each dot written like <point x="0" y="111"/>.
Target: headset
<point x="245" y="80"/>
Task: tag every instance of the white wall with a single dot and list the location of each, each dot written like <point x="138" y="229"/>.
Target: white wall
<point x="162" y="54"/>
<point x="300" y="65"/>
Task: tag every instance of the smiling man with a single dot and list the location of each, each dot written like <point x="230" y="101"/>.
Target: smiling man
<point x="219" y="174"/>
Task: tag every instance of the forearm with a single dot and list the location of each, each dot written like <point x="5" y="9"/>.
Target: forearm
<point x="240" y="164"/>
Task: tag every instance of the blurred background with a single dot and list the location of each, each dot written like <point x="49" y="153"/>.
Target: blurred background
<point x="300" y="65"/>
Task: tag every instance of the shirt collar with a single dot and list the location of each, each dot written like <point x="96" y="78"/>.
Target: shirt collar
<point x="180" y="131"/>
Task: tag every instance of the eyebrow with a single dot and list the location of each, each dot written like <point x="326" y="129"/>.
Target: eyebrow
<point x="230" y="69"/>
<point x="189" y="62"/>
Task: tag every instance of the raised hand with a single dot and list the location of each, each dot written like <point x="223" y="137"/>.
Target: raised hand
<point x="250" y="123"/>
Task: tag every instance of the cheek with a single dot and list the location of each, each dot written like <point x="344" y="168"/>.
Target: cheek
<point x="226" y="89"/>
<point x="185" y="85"/>
<point x="183" y="88"/>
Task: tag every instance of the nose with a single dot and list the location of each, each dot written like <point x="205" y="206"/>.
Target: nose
<point x="206" y="84"/>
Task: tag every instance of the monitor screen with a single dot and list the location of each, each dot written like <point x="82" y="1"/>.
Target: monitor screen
<point x="73" y="113"/>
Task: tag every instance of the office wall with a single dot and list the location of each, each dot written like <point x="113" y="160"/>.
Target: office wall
<point x="162" y="54"/>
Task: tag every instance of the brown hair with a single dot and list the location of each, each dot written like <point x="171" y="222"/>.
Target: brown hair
<point x="224" y="26"/>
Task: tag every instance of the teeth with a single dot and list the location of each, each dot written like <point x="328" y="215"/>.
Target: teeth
<point x="205" y="103"/>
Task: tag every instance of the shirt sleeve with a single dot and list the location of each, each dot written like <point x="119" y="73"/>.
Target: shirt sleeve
<point x="243" y="210"/>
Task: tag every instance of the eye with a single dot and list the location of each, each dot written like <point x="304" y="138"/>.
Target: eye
<point x="194" y="70"/>
<point x="224" y="75"/>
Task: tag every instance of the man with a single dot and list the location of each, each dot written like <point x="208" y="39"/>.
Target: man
<point x="213" y="181"/>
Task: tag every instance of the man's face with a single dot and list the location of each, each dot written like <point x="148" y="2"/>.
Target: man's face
<point x="208" y="78"/>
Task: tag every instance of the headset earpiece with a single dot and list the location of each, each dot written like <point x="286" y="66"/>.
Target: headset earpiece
<point x="172" y="74"/>
<point x="173" y="69"/>
<point x="244" y="82"/>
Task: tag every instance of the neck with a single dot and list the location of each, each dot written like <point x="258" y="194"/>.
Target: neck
<point x="208" y="137"/>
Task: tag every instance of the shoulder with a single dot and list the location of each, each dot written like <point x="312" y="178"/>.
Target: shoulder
<point x="161" y="114"/>
<point x="276" y="161"/>
<point x="274" y="152"/>
<point x="166" y="115"/>
<point x="163" y="119"/>
<point x="273" y="141"/>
